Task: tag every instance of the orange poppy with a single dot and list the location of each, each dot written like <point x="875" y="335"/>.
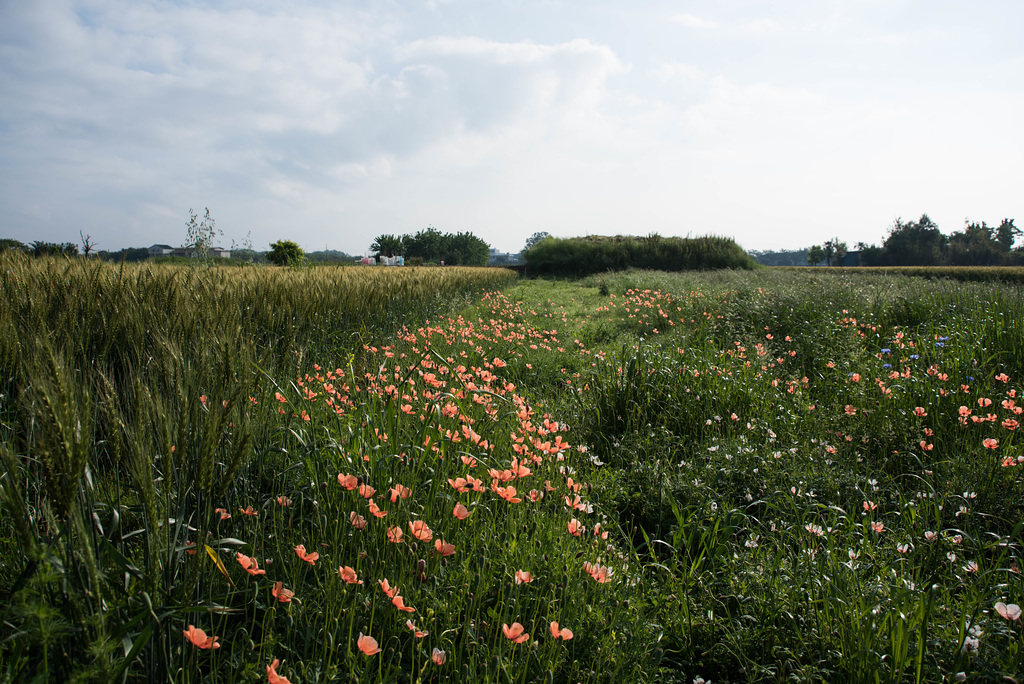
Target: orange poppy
<point x="367" y="644"/>
<point x="199" y="639"/>
<point x="272" y="676"/>
<point x="349" y="575"/>
<point x="281" y="594"/>
<point x="564" y="634"/>
<point x="310" y="558"/>
<point x="515" y="632"/>
<point x="420" y="530"/>
<point x="249" y="564"/>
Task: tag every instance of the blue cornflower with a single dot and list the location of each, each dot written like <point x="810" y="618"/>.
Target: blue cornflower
<point x="886" y="365"/>
<point x="886" y="350"/>
<point x="914" y="357"/>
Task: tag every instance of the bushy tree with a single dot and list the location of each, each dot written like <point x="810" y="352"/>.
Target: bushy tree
<point x="535" y="238"/>
<point x="15" y="245"/>
<point x="388" y="245"/>
<point x="285" y="253"/>
<point x="43" y="248"/>
<point x="917" y="243"/>
<point x="815" y="255"/>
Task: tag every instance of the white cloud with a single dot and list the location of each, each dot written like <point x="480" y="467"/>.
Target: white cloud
<point x="691" y="21"/>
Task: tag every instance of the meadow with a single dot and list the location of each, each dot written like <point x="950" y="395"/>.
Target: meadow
<point x="318" y="475"/>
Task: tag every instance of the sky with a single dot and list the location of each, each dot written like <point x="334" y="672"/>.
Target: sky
<point x="779" y="124"/>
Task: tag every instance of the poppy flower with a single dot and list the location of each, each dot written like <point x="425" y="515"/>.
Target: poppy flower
<point x="224" y="515"/>
<point x="310" y="558"/>
<point x="515" y="632"/>
<point x="358" y="521"/>
<point x="248" y="510"/>
<point x="349" y="482"/>
<point x="284" y="501"/>
<point x="506" y="493"/>
<point x="395" y="534"/>
<point x="367" y="644"/>
<point x="399" y="491"/>
<point x="375" y="509"/>
<point x="399" y="603"/>
<point x="460" y="484"/>
<point x="272" y="676"/>
<point x="199" y="639"/>
<point x="600" y="573"/>
<point x="249" y="564"/>
<point x="420" y="530"/>
<point x="366" y="491"/>
<point x="437" y="656"/>
<point x="443" y="547"/>
<point x="412" y="627"/>
<point x="575" y="527"/>
<point x="1009" y="612"/>
<point x="564" y="634"/>
<point x="991" y="443"/>
<point x="536" y="496"/>
<point x="877" y="527"/>
<point x="523" y="576"/>
<point x="349" y="575"/>
<point x="281" y="594"/>
<point x="387" y="588"/>
<point x="460" y="511"/>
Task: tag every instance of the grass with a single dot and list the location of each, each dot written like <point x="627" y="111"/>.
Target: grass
<point x="801" y="476"/>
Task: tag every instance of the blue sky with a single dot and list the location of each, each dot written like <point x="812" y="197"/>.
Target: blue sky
<point x="781" y="124"/>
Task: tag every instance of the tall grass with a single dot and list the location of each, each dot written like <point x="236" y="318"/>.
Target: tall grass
<point x="132" y="399"/>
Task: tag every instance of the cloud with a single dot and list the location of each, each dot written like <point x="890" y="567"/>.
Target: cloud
<point x="691" y="21"/>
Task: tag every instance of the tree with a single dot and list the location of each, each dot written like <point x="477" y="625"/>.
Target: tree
<point x="43" y="248"/>
<point x="87" y="244"/>
<point x="1006" y="233"/>
<point x="815" y="255"/>
<point x="285" y="253"/>
<point x="835" y="252"/>
<point x="917" y="243"/>
<point x="466" y="249"/>
<point x="535" y="238"/>
<point x="387" y="245"/>
<point x="14" y="245"/>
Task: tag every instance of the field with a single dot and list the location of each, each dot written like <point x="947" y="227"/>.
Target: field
<point x="254" y="474"/>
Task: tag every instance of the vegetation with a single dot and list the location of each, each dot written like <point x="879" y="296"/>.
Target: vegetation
<point x="285" y="253"/>
<point x="431" y="246"/>
<point x="595" y="254"/>
<point x="360" y="475"/>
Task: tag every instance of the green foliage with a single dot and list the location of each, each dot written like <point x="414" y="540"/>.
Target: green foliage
<point x="815" y="255"/>
<point x="15" y="245"/>
<point x="201" y="234"/>
<point x="388" y="245"/>
<point x="535" y="238"/>
<point x="285" y="253"/>
<point x="42" y="248"/>
<point x="921" y="243"/>
<point x="454" y="249"/>
<point x="596" y="254"/>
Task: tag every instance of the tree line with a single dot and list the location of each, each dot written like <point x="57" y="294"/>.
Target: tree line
<point x="431" y="246"/>
<point x="914" y="243"/>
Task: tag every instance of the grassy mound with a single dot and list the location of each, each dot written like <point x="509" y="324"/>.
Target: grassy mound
<point x="597" y="254"/>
